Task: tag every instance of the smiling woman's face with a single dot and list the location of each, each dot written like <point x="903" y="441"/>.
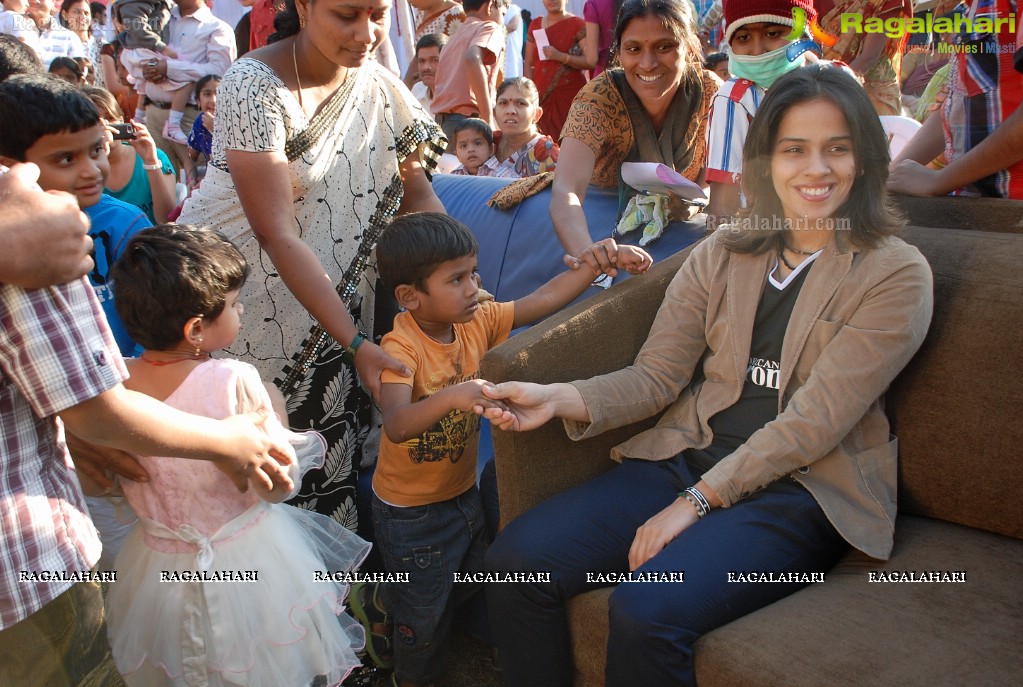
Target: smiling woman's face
<point x="77" y="14"/>
<point x="653" y="60"/>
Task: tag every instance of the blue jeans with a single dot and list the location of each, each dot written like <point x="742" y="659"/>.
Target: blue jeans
<point x="431" y="543"/>
<point x="653" y="625"/>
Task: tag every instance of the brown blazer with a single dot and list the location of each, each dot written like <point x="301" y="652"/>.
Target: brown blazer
<point x="859" y="318"/>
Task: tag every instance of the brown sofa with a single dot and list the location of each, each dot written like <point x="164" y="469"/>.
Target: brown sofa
<point x="955" y="409"/>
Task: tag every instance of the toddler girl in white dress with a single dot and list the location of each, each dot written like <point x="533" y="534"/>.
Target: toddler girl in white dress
<point x="216" y="587"/>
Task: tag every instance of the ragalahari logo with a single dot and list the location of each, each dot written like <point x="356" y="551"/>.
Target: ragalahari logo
<point x="819" y="38"/>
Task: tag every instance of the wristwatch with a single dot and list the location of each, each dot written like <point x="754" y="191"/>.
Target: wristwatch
<point x="360" y="338"/>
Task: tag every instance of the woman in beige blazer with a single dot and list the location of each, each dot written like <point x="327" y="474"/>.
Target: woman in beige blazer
<point x="767" y="363"/>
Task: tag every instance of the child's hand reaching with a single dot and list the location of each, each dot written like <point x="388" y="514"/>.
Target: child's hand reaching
<point x="634" y="259"/>
<point x="468" y="396"/>
<point x="523" y="406"/>
<point x="606" y="256"/>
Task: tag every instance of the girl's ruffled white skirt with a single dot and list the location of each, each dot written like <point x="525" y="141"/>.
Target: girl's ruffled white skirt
<point x="265" y="611"/>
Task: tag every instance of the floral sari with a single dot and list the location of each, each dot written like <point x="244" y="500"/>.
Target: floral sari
<point x="345" y="186"/>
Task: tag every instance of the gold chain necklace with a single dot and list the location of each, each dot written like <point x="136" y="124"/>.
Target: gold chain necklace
<point x="298" y="79"/>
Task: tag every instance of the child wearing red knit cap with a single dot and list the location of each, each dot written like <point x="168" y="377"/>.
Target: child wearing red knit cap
<point x="761" y="48"/>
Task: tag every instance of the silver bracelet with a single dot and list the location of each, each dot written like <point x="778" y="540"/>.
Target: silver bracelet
<point x="699" y="501"/>
<point x="153" y="167"/>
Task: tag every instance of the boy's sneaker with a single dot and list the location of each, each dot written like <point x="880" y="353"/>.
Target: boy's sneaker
<point x="173" y="132"/>
<point x="367" y="607"/>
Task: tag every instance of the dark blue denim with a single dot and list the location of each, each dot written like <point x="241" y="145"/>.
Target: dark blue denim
<point x="653" y="625"/>
<point x="431" y="543"/>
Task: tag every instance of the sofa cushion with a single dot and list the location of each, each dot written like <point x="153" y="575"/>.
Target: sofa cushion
<point x="955" y="408"/>
<point x="850" y="631"/>
<point x="977" y="214"/>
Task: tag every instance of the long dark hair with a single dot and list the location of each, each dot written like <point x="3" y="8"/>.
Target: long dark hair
<point x="68" y="4"/>
<point x="868" y="212"/>
<point x="286" y="22"/>
<point x="678" y="17"/>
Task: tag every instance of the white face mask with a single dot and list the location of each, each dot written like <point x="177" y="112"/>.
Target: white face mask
<point x="763" y="70"/>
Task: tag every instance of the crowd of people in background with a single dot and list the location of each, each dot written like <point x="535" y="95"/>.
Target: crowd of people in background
<point x="915" y="75"/>
<point x="295" y="144"/>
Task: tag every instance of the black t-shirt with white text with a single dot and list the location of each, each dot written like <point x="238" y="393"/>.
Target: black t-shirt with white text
<point x="758" y="403"/>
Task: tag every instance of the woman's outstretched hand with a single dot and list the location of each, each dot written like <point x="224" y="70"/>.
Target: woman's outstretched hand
<point x="371" y="361"/>
<point x="606" y="256"/>
<point x="526" y="406"/>
<point x="601" y="256"/>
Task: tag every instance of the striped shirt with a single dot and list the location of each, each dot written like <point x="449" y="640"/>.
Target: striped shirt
<point x="55" y="352"/>
<point x="984" y="90"/>
<point x="53" y="41"/>
<point x="731" y="112"/>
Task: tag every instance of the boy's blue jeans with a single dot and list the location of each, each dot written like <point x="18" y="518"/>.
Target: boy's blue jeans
<point x="431" y="543"/>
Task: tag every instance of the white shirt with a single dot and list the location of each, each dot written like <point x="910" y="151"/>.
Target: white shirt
<point x="205" y="45"/>
<point x="53" y="41"/>
<point x="21" y="26"/>
<point x="422" y="94"/>
<point x="229" y="11"/>
<point x="513" y="50"/>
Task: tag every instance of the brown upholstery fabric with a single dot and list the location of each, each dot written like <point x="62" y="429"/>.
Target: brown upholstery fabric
<point x="587" y="614"/>
<point x="977" y="214"/>
<point x="851" y="632"/>
<point x="955" y="408"/>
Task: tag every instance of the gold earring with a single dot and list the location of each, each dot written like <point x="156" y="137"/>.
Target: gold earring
<point x="301" y="21"/>
<point x="198" y="351"/>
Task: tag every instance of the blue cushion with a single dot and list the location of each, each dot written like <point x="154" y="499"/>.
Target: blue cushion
<point x="519" y="251"/>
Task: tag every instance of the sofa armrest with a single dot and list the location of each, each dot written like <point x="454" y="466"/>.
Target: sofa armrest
<point x="599" y="335"/>
<point x="958" y="212"/>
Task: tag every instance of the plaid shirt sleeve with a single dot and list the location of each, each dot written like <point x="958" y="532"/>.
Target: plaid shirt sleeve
<point x="55" y="346"/>
<point x="55" y="352"/>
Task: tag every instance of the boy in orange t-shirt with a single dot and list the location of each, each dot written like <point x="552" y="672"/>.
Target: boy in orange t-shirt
<point x="427" y="514"/>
